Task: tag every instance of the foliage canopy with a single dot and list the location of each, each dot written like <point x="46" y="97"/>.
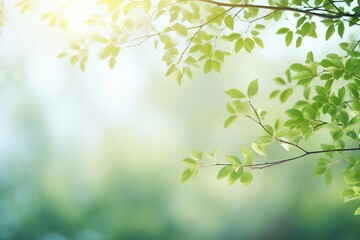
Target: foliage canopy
<point x="202" y="33"/>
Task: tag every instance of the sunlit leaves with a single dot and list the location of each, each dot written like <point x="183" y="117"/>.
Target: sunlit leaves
<point x="259" y="148"/>
<point x="229" y="22"/>
<point x="25" y="5"/>
<point x="200" y="34"/>
<point x="180" y="29"/>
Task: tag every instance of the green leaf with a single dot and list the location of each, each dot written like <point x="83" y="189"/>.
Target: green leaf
<point x="224" y="172"/>
<point x="266" y="139"/>
<point x="320" y="169"/>
<point x="286" y="94"/>
<point x="187" y="175"/>
<point x="235" y="93"/>
<point x="282" y="31"/>
<point x="241" y="107"/>
<point x="230" y="109"/>
<point x="74" y="59"/>
<point x="180" y="29"/>
<point x="249" y="44"/>
<point x="343" y="117"/>
<point x="357" y="211"/>
<point x="259" y="42"/>
<point x="341" y="29"/>
<point x="298" y="42"/>
<point x="195" y="48"/>
<point x="190" y="162"/>
<point x="230" y="120"/>
<point x="252" y="88"/>
<point x="329" y="32"/>
<point x="289" y="38"/>
<point x="61" y="55"/>
<point x="246" y="178"/>
<point x="211" y="155"/>
<point x="297" y="67"/>
<point x="63" y="23"/>
<point x="239" y="44"/>
<point x="280" y="81"/>
<point x="208" y="66"/>
<point x="229" y="22"/>
<point x="235" y="161"/>
<point x="247" y="154"/>
<point x="82" y="66"/>
<point x="196" y="154"/>
<point x="259" y="26"/>
<point x="294" y="113"/>
<point x="233" y="177"/>
<point x="112" y="62"/>
<point x="259" y="148"/>
<point x="274" y="94"/>
<point x="46" y="15"/>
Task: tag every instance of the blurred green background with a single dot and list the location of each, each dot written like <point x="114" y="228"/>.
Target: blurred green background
<point x="96" y="155"/>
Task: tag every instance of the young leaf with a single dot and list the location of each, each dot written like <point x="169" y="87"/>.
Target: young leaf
<point x="289" y="38"/>
<point x="196" y="154"/>
<point x="329" y="32"/>
<point x="235" y="161"/>
<point x="286" y="94"/>
<point x="239" y="44"/>
<point x="208" y="66"/>
<point x="229" y="22"/>
<point x="190" y="162"/>
<point x="259" y="148"/>
<point x="235" y="93"/>
<point x="233" y="177"/>
<point x="186" y="175"/>
<point x="247" y="154"/>
<point x="224" y="172"/>
<point x="230" y="120"/>
<point x="294" y="113"/>
<point x="230" y="109"/>
<point x="61" y="55"/>
<point x="252" y="88"/>
<point x="180" y="29"/>
<point x="112" y="62"/>
<point x="246" y="178"/>
<point x="249" y="44"/>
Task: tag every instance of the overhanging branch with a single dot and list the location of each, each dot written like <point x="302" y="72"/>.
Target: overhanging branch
<point x="311" y="11"/>
<point x="271" y="164"/>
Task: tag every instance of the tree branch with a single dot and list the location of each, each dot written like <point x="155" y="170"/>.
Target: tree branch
<point x="271" y="164"/>
<point x="279" y="8"/>
<point x="258" y="121"/>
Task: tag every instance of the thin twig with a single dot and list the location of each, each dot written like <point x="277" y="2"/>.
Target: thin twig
<point x="271" y="164"/>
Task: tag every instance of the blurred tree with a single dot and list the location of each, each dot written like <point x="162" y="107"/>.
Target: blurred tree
<point x="190" y="33"/>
